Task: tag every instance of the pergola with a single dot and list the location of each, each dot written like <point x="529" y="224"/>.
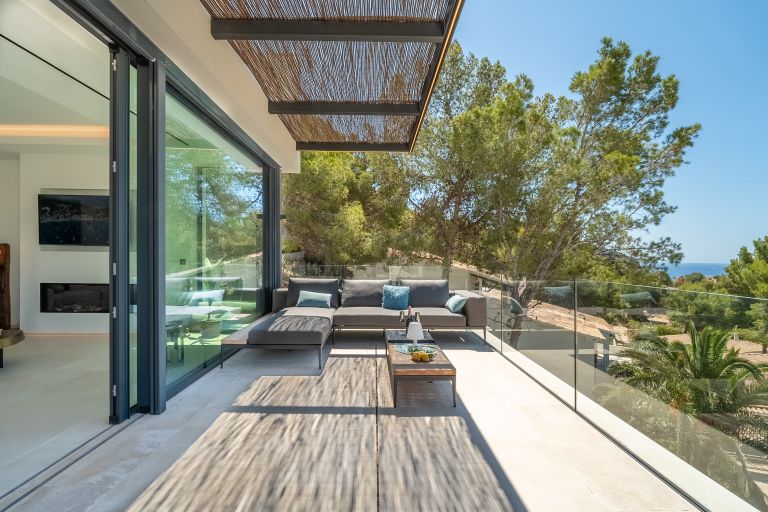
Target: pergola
<point x="343" y="75"/>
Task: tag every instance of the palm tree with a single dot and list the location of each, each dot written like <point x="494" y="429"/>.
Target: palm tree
<point x="712" y="385"/>
<point x="701" y="378"/>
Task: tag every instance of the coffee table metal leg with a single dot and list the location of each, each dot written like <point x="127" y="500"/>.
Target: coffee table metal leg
<point x="394" y="391"/>
<point x="454" y="391"/>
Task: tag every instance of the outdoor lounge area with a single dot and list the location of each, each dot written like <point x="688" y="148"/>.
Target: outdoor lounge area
<point x="272" y="432"/>
<point x="382" y="255"/>
<point x="307" y="313"/>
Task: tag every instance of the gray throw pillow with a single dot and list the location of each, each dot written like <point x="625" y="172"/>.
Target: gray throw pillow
<point x="363" y="292"/>
<point x="427" y="293"/>
<point x="297" y="284"/>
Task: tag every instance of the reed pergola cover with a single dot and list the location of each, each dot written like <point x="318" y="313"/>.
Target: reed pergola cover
<point x="343" y="75"/>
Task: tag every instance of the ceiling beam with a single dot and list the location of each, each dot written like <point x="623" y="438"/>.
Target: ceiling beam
<point x="317" y="30"/>
<point x="344" y="108"/>
<point x="434" y="69"/>
<point x="352" y="146"/>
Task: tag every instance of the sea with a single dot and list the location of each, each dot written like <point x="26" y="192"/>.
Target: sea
<point x="708" y="269"/>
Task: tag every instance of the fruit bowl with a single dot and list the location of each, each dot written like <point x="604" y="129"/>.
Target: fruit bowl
<point x="411" y="348"/>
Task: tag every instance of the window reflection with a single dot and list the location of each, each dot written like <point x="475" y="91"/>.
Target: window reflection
<point x="213" y="241"/>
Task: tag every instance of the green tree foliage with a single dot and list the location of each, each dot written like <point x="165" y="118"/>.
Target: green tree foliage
<point x="747" y="274"/>
<point x="726" y="303"/>
<point x="757" y="314"/>
<point x="338" y="212"/>
<point x="214" y="205"/>
<point x="713" y="309"/>
<point x="587" y="170"/>
<point x="449" y="187"/>
<point x="524" y="185"/>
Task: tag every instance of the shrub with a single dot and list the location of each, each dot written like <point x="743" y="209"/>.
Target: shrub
<point x="668" y="329"/>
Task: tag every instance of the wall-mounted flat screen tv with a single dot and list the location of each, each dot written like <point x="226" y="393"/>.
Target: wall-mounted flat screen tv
<point x="73" y="219"/>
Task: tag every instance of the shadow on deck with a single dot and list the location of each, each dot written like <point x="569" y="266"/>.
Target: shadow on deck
<point x="333" y="441"/>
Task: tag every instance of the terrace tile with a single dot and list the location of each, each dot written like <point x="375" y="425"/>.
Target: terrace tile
<point x="277" y="434"/>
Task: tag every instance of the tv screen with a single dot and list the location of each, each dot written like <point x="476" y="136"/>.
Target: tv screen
<point x="73" y="219"/>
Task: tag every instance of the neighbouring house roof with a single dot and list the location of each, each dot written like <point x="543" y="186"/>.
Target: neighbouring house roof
<point x="347" y="75"/>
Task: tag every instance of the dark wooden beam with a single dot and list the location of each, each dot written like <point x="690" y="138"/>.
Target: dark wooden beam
<point x="348" y="108"/>
<point x="315" y="30"/>
<point x="352" y="146"/>
<point x="427" y="89"/>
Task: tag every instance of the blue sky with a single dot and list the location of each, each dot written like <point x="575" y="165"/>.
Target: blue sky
<point x="719" y="52"/>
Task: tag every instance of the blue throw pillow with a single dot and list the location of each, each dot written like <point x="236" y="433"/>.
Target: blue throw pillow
<point x="456" y="303"/>
<point x="395" y="297"/>
<point x="313" y="300"/>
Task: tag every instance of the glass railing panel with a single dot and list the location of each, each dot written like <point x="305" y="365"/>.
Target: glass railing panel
<point x="534" y="320"/>
<point x="677" y="377"/>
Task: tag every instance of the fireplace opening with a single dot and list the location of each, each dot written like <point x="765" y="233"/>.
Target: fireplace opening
<point x="74" y="298"/>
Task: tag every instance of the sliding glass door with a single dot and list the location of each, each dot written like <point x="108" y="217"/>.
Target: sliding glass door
<point x="133" y="276"/>
<point x="213" y="241"/>
<point x="54" y="215"/>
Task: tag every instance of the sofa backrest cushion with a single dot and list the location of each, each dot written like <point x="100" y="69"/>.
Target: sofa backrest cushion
<point x="363" y="292"/>
<point x="427" y="293"/>
<point x="297" y="284"/>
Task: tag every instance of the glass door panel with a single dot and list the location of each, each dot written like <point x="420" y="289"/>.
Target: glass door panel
<point x="132" y="239"/>
<point x="213" y="247"/>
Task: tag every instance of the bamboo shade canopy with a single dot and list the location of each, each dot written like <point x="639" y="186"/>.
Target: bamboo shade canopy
<point x="342" y="74"/>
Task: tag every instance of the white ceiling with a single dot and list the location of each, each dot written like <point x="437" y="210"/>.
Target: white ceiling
<point x="35" y="92"/>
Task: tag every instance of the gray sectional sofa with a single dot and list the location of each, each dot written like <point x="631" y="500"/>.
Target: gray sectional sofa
<point x="357" y="305"/>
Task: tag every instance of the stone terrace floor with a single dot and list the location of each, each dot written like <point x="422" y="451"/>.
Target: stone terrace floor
<point x="270" y="432"/>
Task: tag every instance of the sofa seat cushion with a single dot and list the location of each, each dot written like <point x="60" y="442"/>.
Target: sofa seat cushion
<point x="440" y="317"/>
<point x="367" y="317"/>
<point x="293" y="326"/>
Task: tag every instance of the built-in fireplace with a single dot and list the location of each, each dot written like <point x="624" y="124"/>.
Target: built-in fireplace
<point x="74" y="298"/>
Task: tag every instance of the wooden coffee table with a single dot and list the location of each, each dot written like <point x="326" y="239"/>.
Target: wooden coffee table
<point x="7" y="338"/>
<point x="401" y="367"/>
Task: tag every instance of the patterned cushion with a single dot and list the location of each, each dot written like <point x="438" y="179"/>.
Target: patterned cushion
<point x="395" y="297"/>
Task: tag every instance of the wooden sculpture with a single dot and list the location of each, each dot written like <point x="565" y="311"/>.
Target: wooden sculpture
<point x="5" y="286"/>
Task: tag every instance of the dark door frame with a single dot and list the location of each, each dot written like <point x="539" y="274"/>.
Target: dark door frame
<point x="119" y="197"/>
<point x="150" y="292"/>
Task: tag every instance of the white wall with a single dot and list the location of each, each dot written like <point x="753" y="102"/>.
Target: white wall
<point x="182" y="30"/>
<point x="58" y="173"/>
<point x="9" y="222"/>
